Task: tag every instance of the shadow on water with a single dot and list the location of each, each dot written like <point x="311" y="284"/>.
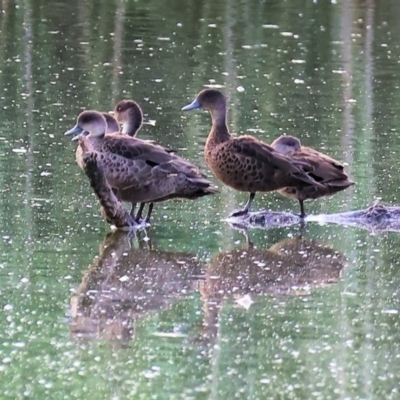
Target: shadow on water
<point x="129" y="281"/>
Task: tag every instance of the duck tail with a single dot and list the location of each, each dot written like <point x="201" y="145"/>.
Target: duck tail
<point x="307" y="178"/>
<point x="201" y="187"/>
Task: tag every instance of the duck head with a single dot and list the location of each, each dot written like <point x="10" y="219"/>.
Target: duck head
<point x="92" y="123"/>
<point x="130" y="115"/>
<point x="209" y="99"/>
<point x="286" y="144"/>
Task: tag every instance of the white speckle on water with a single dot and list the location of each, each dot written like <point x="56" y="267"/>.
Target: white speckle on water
<point x="245" y="301"/>
<point x="19" y="344"/>
<point x="298" y="81"/>
<point x="8" y="307"/>
<point x="240" y="89"/>
<point x="287" y="34"/>
<point x="390" y="311"/>
<point x="169" y="334"/>
<point x="20" y="150"/>
<point x="270" y="26"/>
<point x="124" y="278"/>
<point x="45" y="173"/>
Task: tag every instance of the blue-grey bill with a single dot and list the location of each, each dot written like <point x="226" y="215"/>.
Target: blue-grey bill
<point x="77" y="137"/>
<point x="192" y="106"/>
<point x="74" y="131"/>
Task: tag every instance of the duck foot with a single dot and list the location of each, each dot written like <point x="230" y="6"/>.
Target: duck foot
<point x="245" y="210"/>
<point x="239" y="212"/>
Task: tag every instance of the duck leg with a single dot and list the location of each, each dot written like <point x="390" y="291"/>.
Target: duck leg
<point x="151" y="205"/>
<point x="132" y="212"/>
<point x="246" y="209"/>
<point x="139" y="213"/>
<point x="302" y="212"/>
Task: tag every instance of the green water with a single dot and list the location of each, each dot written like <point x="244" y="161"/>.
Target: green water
<point x="186" y="310"/>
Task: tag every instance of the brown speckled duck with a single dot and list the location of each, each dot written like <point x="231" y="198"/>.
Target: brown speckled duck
<point x="141" y="172"/>
<point x="246" y="163"/>
<point x="327" y="171"/>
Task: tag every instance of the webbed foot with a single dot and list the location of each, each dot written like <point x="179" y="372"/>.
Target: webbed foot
<point x="239" y="212"/>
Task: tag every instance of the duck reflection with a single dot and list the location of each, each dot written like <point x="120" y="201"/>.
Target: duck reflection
<point x="289" y="267"/>
<point x="125" y="283"/>
<point x="285" y="266"/>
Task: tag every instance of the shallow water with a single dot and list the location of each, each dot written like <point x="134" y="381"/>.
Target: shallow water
<point x="188" y="309"/>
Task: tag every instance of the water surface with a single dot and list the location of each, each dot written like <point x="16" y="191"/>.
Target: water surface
<point x="188" y="309"/>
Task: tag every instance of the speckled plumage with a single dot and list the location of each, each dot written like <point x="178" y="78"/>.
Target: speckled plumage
<point x="140" y="171"/>
<point x="246" y="163"/>
<point x="328" y="172"/>
<point x="177" y="179"/>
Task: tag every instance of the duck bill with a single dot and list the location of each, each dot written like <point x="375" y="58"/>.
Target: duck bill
<point x="81" y="135"/>
<point x="192" y="106"/>
<point x="76" y="130"/>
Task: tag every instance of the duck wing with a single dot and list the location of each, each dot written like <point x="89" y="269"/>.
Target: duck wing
<point x="130" y="148"/>
<point x="251" y="147"/>
<point x="326" y="170"/>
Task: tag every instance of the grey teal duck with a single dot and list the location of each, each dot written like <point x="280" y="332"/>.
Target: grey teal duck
<point x="246" y="163"/>
<point x="130" y="115"/>
<point x="326" y="171"/>
<point x="139" y="171"/>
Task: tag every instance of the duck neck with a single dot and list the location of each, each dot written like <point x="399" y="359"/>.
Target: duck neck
<point x="219" y="131"/>
<point x="96" y="140"/>
<point x="129" y="129"/>
<point x="133" y="123"/>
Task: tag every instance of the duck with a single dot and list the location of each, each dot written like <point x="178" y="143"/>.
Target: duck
<point x="132" y="122"/>
<point x="139" y="172"/>
<point x="130" y="115"/>
<point x="326" y="171"/>
<point x="246" y="163"/>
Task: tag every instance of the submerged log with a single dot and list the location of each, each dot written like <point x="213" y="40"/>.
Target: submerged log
<point x="377" y="218"/>
<point x="112" y="208"/>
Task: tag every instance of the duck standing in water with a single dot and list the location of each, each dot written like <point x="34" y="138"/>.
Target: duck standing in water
<point x="141" y="172"/>
<point x="246" y="163"/>
<point x="130" y="115"/>
<point x="328" y="172"/>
